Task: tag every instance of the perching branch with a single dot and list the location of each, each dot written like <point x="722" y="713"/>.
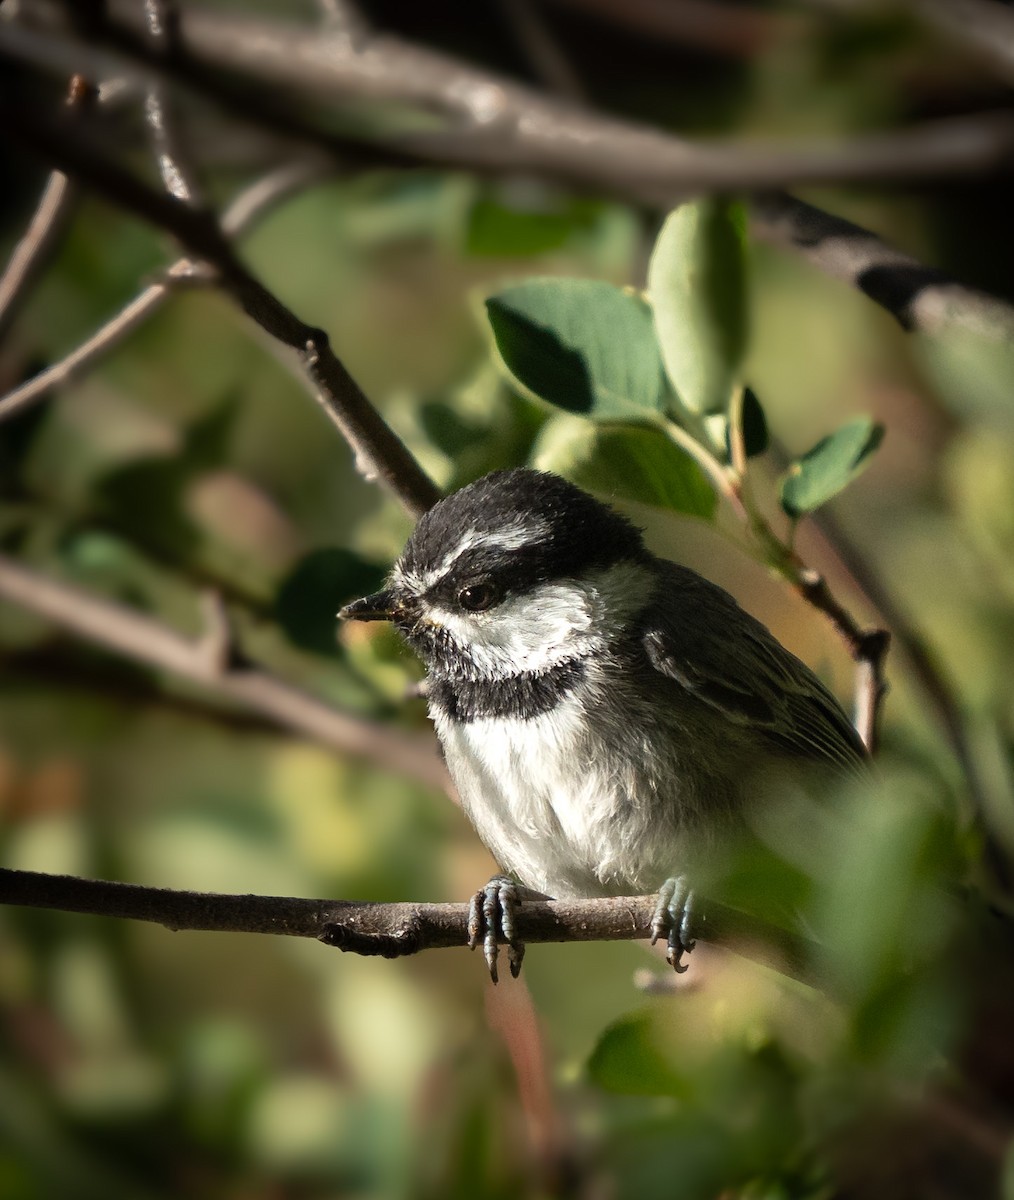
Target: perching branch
<point x="394" y="930"/>
<point x="206" y="661"/>
<point x="379" y="452"/>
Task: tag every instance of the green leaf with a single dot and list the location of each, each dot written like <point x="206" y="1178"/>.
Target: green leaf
<point x="586" y="346"/>
<point x="634" y="1057"/>
<point x="510" y="231"/>
<point x="830" y="466"/>
<point x="308" y="601"/>
<point x="630" y="461"/>
<point x="697" y="288"/>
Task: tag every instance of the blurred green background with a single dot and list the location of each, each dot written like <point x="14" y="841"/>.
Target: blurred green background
<point x="141" y="1063"/>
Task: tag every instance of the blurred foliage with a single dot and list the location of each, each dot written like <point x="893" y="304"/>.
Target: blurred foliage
<point x="136" y="1063"/>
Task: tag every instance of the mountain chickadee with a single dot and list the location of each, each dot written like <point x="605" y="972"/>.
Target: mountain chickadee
<point x="603" y="712"/>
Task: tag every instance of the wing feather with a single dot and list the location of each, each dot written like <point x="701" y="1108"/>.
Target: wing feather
<point x="697" y="635"/>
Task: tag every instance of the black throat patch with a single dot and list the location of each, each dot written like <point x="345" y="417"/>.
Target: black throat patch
<point x="518" y="696"/>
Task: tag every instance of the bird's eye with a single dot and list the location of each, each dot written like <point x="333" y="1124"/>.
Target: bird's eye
<point x="477" y="597"/>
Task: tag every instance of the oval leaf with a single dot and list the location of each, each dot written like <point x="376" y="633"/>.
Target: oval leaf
<point x="586" y="346"/>
<point x="830" y="466"/>
<point x="629" y="461"/>
<point x="697" y="287"/>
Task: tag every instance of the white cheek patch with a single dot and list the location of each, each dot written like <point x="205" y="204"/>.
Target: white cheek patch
<point x="512" y="536"/>
<point x="551" y="623"/>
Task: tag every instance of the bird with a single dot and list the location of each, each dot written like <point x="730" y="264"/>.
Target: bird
<point x="604" y="713"/>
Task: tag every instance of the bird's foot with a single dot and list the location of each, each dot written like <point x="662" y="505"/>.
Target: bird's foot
<point x="491" y="915"/>
<point x="673" y="919"/>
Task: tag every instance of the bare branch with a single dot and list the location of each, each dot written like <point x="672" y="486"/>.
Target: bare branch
<point x="378" y="450"/>
<point x="919" y="297"/>
<point x="178" y="176"/>
<point x="394" y="930"/>
<point x="250" y="205"/>
<point x="503" y="126"/>
<point x="45" y="230"/>
<point x="100" y="343"/>
<point x="33" y="251"/>
<point x="205" y="662"/>
<point x="868" y="648"/>
<point x="500" y="125"/>
<point x="929" y="674"/>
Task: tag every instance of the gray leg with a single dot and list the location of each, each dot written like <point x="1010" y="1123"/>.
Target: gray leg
<point x="673" y="920"/>
<point x="491" y="920"/>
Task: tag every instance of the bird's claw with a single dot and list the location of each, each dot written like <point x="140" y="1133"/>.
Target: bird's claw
<point x="491" y="913"/>
<point x="673" y="919"/>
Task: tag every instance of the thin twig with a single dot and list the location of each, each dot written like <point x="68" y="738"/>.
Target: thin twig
<point x="395" y="930"/>
<point x="250" y="206"/>
<point x="45" y="229"/>
<point x="715" y="471"/>
<point x="929" y="674"/>
<point x="868" y="648"/>
<point x="378" y="450"/>
<point x="178" y="176"/>
<point x="105" y="339"/>
<point x="205" y="661"/>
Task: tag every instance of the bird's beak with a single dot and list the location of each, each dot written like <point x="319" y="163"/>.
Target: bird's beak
<point x="381" y="606"/>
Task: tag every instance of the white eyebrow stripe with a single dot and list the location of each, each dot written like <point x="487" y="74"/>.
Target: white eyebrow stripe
<point x="510" y="537"/>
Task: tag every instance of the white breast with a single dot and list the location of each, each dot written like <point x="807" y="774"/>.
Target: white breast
<point x="566" y="817"/>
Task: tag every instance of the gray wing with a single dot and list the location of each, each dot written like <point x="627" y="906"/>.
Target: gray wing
<point x="697" y="635"/>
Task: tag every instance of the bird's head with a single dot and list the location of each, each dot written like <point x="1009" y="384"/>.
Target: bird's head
<point x="516" y="572"/>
